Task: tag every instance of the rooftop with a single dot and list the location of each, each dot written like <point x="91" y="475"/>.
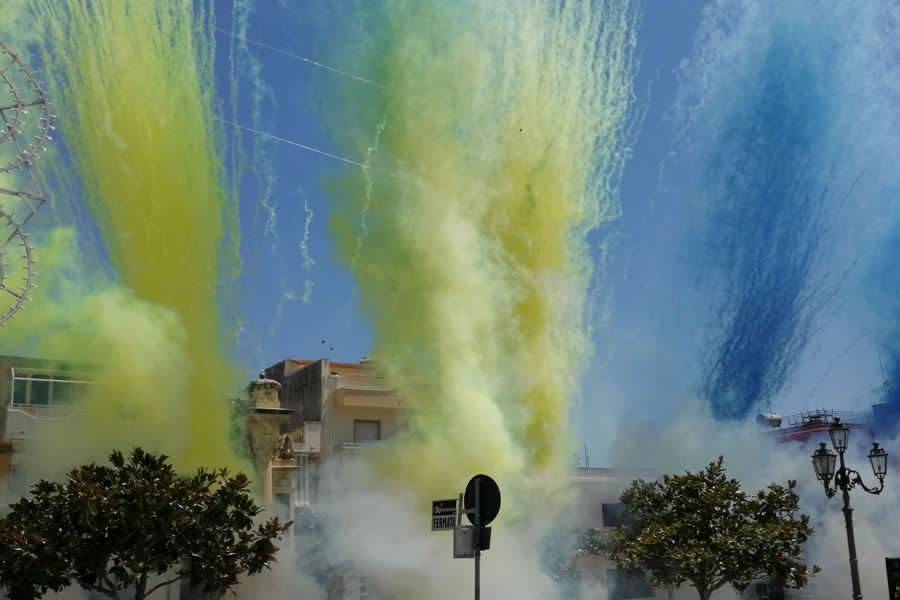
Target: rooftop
<point x="332" y="364"/>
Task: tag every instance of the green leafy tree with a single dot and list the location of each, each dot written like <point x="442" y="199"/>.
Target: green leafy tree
<point x="702" y="529"/>
<point x="133" y="528"/>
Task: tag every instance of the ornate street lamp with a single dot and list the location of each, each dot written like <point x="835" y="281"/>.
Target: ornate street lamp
<point x="838" y="432"/>
<point x="846" y="479"/>
<point x="823" y="462"/>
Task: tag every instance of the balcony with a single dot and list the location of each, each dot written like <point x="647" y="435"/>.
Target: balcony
<point x="364" y="391"/>
<point x="361" y="382"/>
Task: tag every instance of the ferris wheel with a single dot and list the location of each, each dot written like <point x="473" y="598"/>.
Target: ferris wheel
<point x="26" y="123"/>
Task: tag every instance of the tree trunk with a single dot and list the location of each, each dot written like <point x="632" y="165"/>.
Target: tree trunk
<point x="704" y="594"/>
<point x="140" y="590"/>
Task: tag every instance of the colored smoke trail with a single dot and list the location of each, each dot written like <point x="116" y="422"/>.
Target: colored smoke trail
<point x="885" y="286"/>
<point x="502" y="149"/>
<point x="762" y="184"/>
<point x="132" y="81"/>
<point x="880" y="55"/>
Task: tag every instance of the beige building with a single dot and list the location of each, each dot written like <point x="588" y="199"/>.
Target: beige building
<point x="304" y="413"/>
<point x="308" y="412"/>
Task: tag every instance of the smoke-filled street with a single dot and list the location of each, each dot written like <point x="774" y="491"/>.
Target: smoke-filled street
<point x="407" y="299"/>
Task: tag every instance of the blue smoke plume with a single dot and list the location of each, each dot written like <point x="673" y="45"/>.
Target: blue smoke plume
<point x="766" y="106"/>
<point x="788" y="118"/>
<point x="884" y="280"/>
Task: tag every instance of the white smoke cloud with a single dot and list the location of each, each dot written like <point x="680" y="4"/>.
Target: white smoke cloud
<point x="694" y="438"/>
<point x="386" y="536"/>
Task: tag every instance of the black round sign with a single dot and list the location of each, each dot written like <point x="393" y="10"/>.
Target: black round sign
<point x="488" y="499"/>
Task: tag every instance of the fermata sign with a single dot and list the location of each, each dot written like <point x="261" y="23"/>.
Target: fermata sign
<point x="443" y="515"/>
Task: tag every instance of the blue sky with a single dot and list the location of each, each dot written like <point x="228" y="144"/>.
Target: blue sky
<point x="649" y="353"/>
<point x="273" y="266"/>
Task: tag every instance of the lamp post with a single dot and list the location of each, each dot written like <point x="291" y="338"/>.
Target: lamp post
<point x="846" y="479"/>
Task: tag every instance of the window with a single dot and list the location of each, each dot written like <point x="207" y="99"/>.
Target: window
<point x="40" y="392"/>
<point x="364" y="589"/>
<point x="20" y="391"/>
<point x="628" y="586"/>
<point x="366" y="431"/>
<point x="65" y="390"/>
<point x="42" y="389"/>
<point x="613" y="515"/>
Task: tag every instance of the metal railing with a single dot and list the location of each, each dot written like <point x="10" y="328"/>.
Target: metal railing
<point x="354" y="445"/>
<point x="827" y="416"/>
<point x="51" y="378"/>
<point x="361" y="382"/>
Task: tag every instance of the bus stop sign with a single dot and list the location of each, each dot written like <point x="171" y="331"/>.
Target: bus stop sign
<point x="443" y="515"/>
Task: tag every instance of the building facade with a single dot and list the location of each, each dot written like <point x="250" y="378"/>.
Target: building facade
<point x="328" y="411"/>
<point x="305" y="413"/>
<point x="32" y="391"/>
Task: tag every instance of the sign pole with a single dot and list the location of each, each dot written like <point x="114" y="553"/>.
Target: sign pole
<point x="477" y="540"/>
<point x="893" y="577"/>
<point x="480" y="503"/>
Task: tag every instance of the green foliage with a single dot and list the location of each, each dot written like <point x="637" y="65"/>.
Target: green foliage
<point x="702" y="529"/>
<point x="111" y="529"/>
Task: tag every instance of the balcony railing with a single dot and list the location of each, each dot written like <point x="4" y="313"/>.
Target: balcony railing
<point x="363" y="383"/>
<point x="826" y="417"/>
<point x="354" y="446"/>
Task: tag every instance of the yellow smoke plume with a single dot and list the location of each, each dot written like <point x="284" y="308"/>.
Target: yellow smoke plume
<point x="132" y="84"/>
<point x="134" y="350"/>
<point x="502" y="146"/>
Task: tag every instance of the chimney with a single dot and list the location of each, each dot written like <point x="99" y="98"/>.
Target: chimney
<point x="265" y="423"/>
<point x="264" y="392"/>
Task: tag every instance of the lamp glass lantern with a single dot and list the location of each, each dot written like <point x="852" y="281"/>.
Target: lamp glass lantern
<point x="838" y="433"/>
<point x="824" y="462"/>
<point x="878" y="459"/>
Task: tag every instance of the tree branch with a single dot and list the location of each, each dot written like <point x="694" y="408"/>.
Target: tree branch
<point x="163" y="584"/>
